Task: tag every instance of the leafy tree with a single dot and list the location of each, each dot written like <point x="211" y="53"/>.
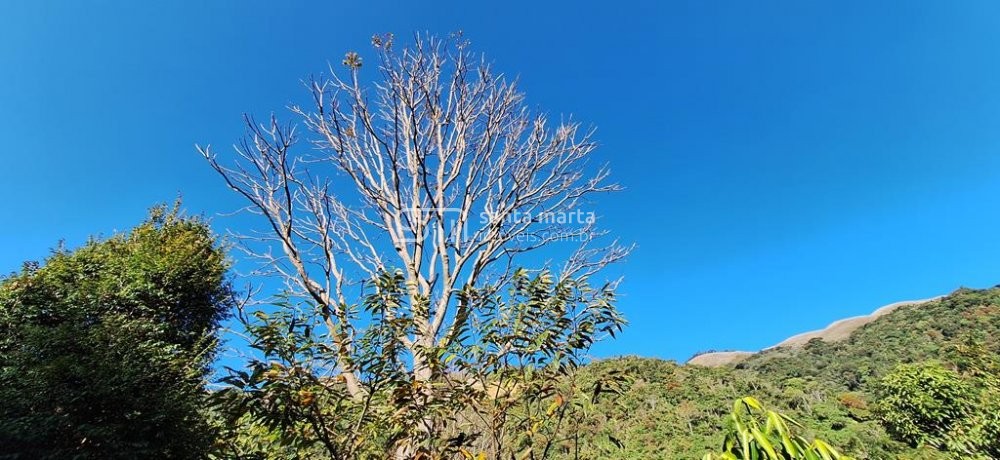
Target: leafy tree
<point x="980" y="437"/>
<point x="104" y="350"/>
<point x="921" y="403"/>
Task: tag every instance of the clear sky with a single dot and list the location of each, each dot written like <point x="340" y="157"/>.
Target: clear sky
<point x="786" y="163"/>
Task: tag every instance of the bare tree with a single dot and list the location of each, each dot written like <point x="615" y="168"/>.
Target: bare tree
<point x="437" y="168"/>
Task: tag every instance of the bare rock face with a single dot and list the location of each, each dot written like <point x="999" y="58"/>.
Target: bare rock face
<point x="720" y="358"/>
<point x="838" y="330"/>
<point x="842" y="329"/>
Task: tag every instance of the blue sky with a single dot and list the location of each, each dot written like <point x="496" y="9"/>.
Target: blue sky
<point x="786" y="163"/>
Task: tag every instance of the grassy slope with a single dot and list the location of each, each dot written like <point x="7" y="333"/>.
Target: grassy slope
<point x="674" y="411"/>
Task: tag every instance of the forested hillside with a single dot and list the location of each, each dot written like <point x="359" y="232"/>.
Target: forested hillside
<point x="832" y="389"/>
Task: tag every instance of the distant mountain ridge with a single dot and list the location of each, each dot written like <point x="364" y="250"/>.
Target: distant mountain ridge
<point x="835" y="331"/>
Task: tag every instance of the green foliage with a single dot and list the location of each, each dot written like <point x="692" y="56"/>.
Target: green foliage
<point x="668" y="410"/>
<point x="503" y="385"/>
<point x="951" y="410"/>
<point x="519" y="360"/>
<point x="921" y="403"/>
<point x="104" y="350"/>
<point x="756" y="433"/>
<point x="657" y="409"/>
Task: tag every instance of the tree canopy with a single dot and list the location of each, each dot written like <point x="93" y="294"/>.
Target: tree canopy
<point x="104" y="350"/>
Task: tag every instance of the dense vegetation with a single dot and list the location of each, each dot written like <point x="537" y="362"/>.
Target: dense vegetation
<point x="919" y="383"/>
<point x="104" y="350"/>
